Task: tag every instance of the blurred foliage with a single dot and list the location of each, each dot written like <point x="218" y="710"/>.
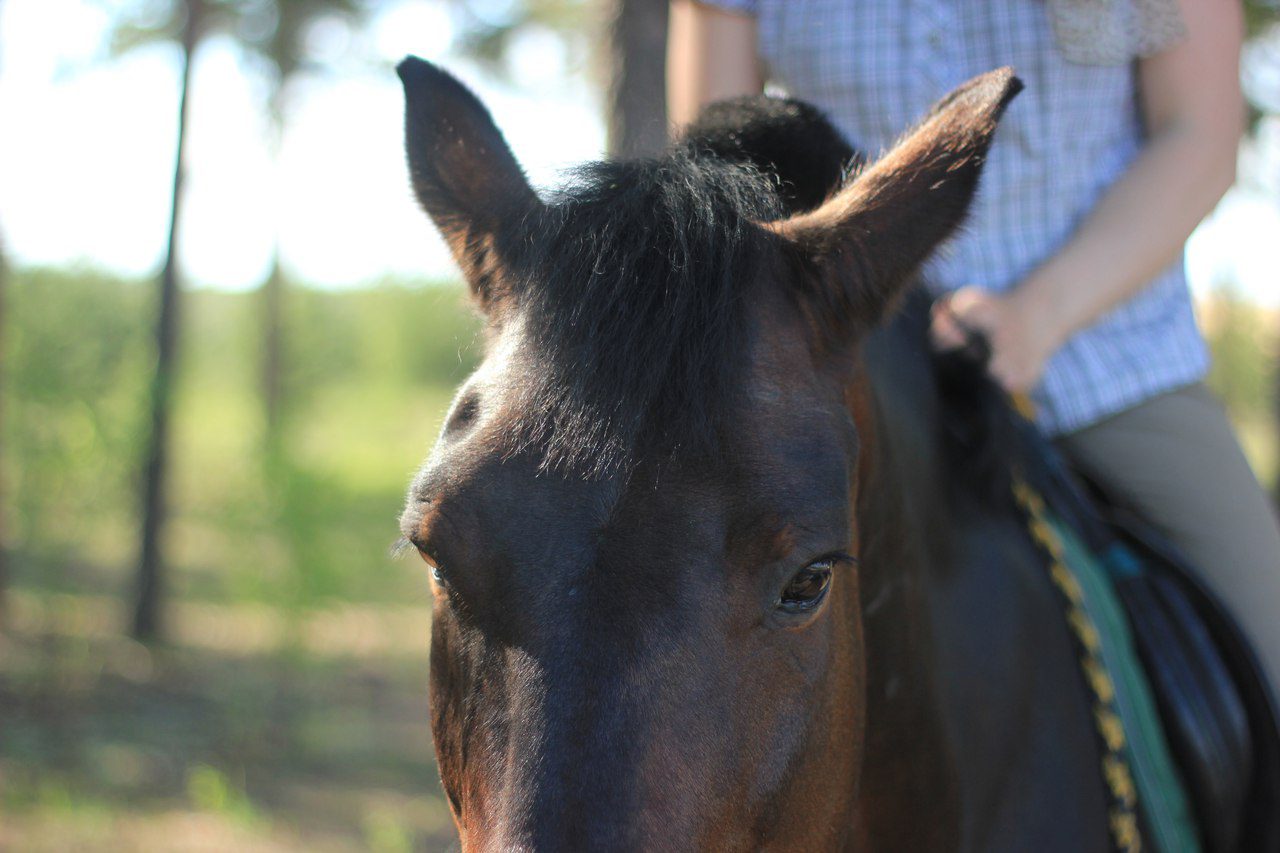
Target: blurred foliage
<point x="1260" y="73"/>
<point x="76" y="363"/>
<point x="210" y="790"/>
<point x="371" y="372"/>
<point x="487" y="29"/>
<point x="1241" y="337"/>
<point x="279" y="34"/>
<point x="1245" y="372"/>
<point x="275" y="32"/>
<point x="289" y="709"/>
<point x="1259" y="15"/>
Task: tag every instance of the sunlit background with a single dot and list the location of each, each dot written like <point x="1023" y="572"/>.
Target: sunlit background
<point x="88" y="142"/>
<point x="320" y="330"/>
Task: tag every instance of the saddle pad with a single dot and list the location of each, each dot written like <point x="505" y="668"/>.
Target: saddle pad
<point x="1235" y="823"/>
<point x="1220" y="730"/>
<point x="1205" y="719"/>
<point x="1163" y="801"/>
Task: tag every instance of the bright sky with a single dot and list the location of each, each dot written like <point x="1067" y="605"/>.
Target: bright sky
<point x="87" y="146"/>
<point x="86" y="155"/>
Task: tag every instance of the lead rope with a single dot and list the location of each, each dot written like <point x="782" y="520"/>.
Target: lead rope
<point x="1122" y="811"/>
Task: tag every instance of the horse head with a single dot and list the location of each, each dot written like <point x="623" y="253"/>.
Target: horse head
<point x="641" y="517"/>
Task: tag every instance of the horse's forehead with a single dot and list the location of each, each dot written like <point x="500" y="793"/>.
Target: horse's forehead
<point x="512" y="497"/>
<point x="789" y="396"/>
<point x="786" y="422"/>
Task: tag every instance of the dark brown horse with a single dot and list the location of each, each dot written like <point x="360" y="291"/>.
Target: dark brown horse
<point x="704" y="575"/>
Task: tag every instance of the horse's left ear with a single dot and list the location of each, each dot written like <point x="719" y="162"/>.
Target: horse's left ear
<point x="861" y="247"/>
<point x="463" y="173"/>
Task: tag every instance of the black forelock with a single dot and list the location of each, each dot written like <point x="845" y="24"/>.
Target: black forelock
<point x="631" y="289"/>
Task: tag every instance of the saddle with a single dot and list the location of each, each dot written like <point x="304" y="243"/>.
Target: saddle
<point x="1213" y="699"/>
<point x="1219" y="717"/>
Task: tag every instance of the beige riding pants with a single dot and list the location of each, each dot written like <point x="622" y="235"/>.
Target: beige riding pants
<point x="1175" y="460"/>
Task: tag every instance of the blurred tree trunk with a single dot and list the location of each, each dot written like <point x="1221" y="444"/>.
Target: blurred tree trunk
<point x="4" y="540"/>
<point x="637" y="95"/>
<point x="272" y="298"/>
<point x="150" y="579"/>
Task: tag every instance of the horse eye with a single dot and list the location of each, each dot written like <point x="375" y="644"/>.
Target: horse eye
<point x="806" y="590"/>
<point x="436" y="574"/>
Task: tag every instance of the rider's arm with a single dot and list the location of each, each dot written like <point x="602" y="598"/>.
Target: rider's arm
<point x="711" y="54"/>
<point x="1194" y="111"/>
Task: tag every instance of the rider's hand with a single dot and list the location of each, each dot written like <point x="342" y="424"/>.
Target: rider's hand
<point x="1021" y="337"/>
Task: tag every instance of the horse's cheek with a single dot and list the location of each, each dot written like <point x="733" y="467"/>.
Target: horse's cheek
<point x="834" y="758"/>
<point x="843" y="716"/>
<point x="823" y="766"/>
<point x="849" y="661"/>
<point x="828" y="784"/>
<point x="464" y="786"/>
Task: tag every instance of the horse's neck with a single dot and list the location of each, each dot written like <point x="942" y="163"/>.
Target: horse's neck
<point x="968" y="660"/>
<point x="907" y="759"/>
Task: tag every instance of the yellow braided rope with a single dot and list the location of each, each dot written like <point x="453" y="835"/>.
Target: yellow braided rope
<point x="1123" y="815"/>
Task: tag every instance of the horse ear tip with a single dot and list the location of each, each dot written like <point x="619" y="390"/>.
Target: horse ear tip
<point x="985" y="96"/>
<point x="414" y="71"/>
<point x="1006" y="84"/>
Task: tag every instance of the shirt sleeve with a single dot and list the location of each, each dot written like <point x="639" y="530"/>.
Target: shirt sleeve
<point x="1115" y="32"/>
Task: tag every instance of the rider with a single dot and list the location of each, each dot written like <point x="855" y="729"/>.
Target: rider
<point x="1071" y="261"/>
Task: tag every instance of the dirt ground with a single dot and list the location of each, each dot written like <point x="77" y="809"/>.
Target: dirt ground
<point x="246" y="732"/>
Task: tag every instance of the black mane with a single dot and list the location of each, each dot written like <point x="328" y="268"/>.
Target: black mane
<point x="632" y="289"/>
<point x="633" y="286"/>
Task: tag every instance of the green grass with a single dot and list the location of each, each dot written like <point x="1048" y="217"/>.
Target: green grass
<point x="264" y="745"/>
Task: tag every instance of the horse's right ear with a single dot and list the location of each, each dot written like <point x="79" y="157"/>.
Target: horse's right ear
<point x="463" y="173"/>
<point x="862" y="247"/>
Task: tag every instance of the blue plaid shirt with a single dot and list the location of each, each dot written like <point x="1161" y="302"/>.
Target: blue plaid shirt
<point x="876" y="66"/>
